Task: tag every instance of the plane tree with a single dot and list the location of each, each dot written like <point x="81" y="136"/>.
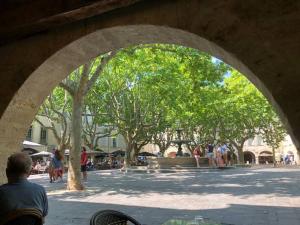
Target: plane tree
<point x="54" y="115"/>
<point x="243" y="112"/>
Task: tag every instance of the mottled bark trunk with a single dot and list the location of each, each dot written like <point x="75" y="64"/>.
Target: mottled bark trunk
<point x="129" y="149"/>
<point x="162" y="150"/>
<point x="202" y="150"/>
<point x="273" y="156"/>
<point x="297" y="158"/>
<point x="62" y="147"/>
<point x="74" y="176"/>
<point x="135" y="151"/>
<point x="241" y="159"/>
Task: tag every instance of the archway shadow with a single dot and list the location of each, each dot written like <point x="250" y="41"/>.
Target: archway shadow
<point x="243" y="183"/>
<point x="79" y="213"/>
<point x="262" y="196"/>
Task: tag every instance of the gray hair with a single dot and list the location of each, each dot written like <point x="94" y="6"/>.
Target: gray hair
<point x="18" y="164"/>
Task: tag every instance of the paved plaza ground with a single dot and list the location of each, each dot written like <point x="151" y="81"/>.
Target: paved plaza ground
<point x="258" y="196"/>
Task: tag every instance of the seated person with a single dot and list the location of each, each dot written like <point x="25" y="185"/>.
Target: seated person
<point x="38" y="166"/>
<point x="19" y="193"/>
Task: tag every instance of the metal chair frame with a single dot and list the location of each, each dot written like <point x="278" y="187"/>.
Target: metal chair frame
<point x="112" y="217"/>
<point x="18" y="216"/>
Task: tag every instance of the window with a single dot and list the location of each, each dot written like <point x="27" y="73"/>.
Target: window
<point x="114" y="142"/>
<point x="250" y="141"/>
<point x="29" y="134"/>
<point x="259" y="140"/>
<point x="43" y="136"/>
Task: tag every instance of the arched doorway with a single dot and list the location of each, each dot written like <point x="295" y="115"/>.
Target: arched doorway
<point x="289" y="158"/>
<point x="249" y="157"/>
<point x="265" y="157"/>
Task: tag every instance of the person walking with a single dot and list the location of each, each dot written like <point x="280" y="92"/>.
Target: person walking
<point x="229" y="163"/>
<point x="57" y="165"/>
<point x="196" y="154"/>
<point x="219" y="159"/>
<point x="210" y="154"/>
<point x="50" y="169"/>
<point x="224" y="150"/>
<point x="83" y="163"/>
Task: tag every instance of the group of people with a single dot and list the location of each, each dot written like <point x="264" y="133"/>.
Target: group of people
<point x="56" y="165"/>
<point x="287" y="160"/>
<point x="217" y="155"/>
<point x="39" y="166"/>
<point x="110" y="162"/>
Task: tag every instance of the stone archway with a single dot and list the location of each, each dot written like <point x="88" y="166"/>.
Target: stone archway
<point x="21" y="110"/>
<point x="253" y="36"/>
<point x="265" y="157"/>
<point x="249" y="157"/>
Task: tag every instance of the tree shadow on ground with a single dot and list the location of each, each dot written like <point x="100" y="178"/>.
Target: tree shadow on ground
<point x="236" y="182"/>
<point x="79" y="213"/>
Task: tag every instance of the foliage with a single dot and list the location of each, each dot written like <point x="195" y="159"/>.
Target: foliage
<point x="141" y="92"/>
<point x="145" y="89"/>
<point x="54" y="114"/>
<point x="244" y="112"/>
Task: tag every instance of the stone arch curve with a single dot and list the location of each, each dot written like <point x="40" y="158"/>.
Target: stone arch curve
<point x="265" y="157"/>
<point x="249" y="156"/>
<point x="21" y="110"/>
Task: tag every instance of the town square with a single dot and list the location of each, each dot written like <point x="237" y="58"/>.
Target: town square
<point x="161" y="112"/>
<point x="233" y="196"/>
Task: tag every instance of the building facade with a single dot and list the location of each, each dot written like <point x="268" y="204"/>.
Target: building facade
<point x="255" y="150"/>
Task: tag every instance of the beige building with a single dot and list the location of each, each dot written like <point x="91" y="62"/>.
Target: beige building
<point x="38" y="134"/>
<point x="255" y="150"/>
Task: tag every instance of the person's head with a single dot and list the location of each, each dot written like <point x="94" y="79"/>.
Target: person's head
<point x="18" y="166"/>
<point x="83" y="149"/>
<point x="57" y="154"/>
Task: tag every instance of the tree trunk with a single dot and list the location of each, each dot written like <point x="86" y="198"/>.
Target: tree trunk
<point x="202" y="150"/>
<point x="62" y="147"/>
<point x="135" y="151"/>
<point x="273" y="156"/>
<point x="128" y="142"/>
<point x="127" y="155"/>
<point x="162" y="150"/>
<point x="74" y="176"/>
<point x="241" y="159"/>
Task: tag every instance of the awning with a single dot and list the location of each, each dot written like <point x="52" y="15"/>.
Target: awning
<point x="33" y="145"/>
<point x="89" y="152"/>
<point x="265" y="154"/>
<point x="42" y="153"/>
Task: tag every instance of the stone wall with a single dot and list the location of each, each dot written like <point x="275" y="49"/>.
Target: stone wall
<point x="165" y="163"/>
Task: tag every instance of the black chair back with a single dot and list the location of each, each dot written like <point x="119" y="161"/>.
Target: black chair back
<point x="23" y="217"/>
<point x="112" y="217"/>
<point x="28" y="220"/>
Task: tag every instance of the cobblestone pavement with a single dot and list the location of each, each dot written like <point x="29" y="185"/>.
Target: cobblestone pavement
<point x="236" y="196"/>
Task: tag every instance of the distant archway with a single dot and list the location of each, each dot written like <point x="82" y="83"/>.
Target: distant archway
<point x="249" y="157"/>
<point x="265" y="157"/>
